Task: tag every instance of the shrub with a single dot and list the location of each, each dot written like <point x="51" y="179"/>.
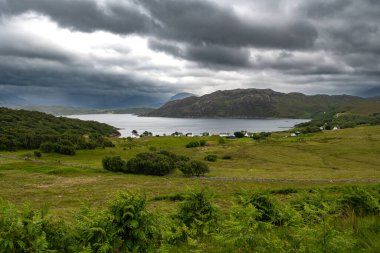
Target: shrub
<point x="239" y="134"/>
<point x="202" y="143"/>
<point x="261" y="135"/>
<point x="134" y="225"/>
<point x="47" y="147"/>
<point x="360" y="201"/>
<point x="193" y="168"/>
<point x="198" y="213"/>
<point x="21" y="232"/>
<point x="151" y="164"/>
<point x="37" y="154"/>
<point x="64" y="149"/>
<point x="271" y="210"/>
<point x="227" y="157"/>
<point x="211" y="158"/>
<point x="192" y="144"/>
<point x="222" y="140"/>
<point x="114" y="163"/>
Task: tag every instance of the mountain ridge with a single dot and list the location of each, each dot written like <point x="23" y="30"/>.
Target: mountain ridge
<point x="258" y="103"/>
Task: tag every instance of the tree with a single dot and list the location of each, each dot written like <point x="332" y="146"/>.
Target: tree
<point x="114" y="163"/>
<point x="239" y="134"/>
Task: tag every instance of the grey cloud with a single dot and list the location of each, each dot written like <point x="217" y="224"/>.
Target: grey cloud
<point x="218" y="55"/>
<point x="82" y="88"/>
<point x="192" y="21"/>
<point x="204" y="22"/>
<point x="207" y="55"/>
<point x="86" y="15"/>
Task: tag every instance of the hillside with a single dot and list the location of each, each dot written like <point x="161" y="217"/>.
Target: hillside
<point x="22" y="129"/>
<point x="260" y="103"/>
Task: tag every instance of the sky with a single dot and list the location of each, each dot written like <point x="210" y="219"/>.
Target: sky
<point x="119" y="53"/>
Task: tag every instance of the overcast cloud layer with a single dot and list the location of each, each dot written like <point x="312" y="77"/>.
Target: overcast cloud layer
<point x="109" y="53"/>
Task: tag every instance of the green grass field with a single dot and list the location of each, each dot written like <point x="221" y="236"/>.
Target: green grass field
<point x="64" y="182"/>
<point x="338" y="159"/>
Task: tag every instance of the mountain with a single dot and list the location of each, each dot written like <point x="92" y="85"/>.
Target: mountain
<point x="259" y="103"/>
<point x="181" y="95"/>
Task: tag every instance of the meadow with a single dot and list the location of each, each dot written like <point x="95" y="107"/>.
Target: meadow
<point x="331" y="161"/>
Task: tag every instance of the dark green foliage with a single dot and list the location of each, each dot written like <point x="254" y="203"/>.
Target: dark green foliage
<point x="134" y="225"/>
<point x="270" y="209"/>
<point x="150" y="163"/>
<point x="21" y="129"/>
<point x="21" y="232"/>
<point x="64" y="149"/>
<point x="125" y="227"/>
<point x="115" y="164"/>
<point x="194" y="144"/>
<point x="198" y="213"/>
<point x="37" y="154"/>
<point x="222" y="140"/>
<point x="331" y="119"/>
<point x="47" y="147"/>
<point x="193" y="168"/>
<point x="261" y="136"/>
<point x="335" y="219"/>
<point x="360" y="201"/>
<point x="284" y="191"/>
<point x="239" y="134"/>
<point x="211" y="158"/>
<point x="226" y="157"/>
<point x="154" y="163"/>
<point x="173" y="197"/>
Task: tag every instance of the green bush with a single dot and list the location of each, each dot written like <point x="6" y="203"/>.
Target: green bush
<point x="193" y="168"/>
<point x="211" y="158"/>
<point x="261" y="135"/>
<point x="151" y="164"/>
<point x="135" y="227"/>
<point x="64" y="149"/>
<point x="192" y="144"/>
<point x="271" y="210"/>
<point x="21" y="232"/>
<point x="239" y="134"/>
<point x="115" y="164"/>
<point x="202" y="143"/>
<point x="227" y="157"/>
<point x="198" y="213"/>
<point x="37" y="154"/>
<point x="360" y="201"/>
<point x="47" y="147"/>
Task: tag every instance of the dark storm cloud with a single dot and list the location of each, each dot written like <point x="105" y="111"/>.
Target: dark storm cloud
<point x="192" y="21"/>
<point x="207" y="55"/>
<point x="81" y="88"/>
<point x="118" y="16"/>
<point x="322" y="44"/>
<point x="200" y="22"/>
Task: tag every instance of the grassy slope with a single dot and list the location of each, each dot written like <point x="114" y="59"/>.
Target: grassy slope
<point x="62" y="183"/>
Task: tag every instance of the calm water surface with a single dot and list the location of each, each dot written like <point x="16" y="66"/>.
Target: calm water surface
<point x="157" y="125"/>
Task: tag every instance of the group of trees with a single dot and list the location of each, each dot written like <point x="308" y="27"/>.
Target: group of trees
<point x="194" y="144"/>
<point x="155" y="163"/>
<point x="329" y="120"/>
<point x="338" y="219"/>
<point x="21" y="129"/>
<point x="261" y="135"/>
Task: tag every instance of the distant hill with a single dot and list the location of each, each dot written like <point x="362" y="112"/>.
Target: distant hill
<point x="261" y="103"/>
<point x="22" y="129"/>
<point x="181" y="95"/>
